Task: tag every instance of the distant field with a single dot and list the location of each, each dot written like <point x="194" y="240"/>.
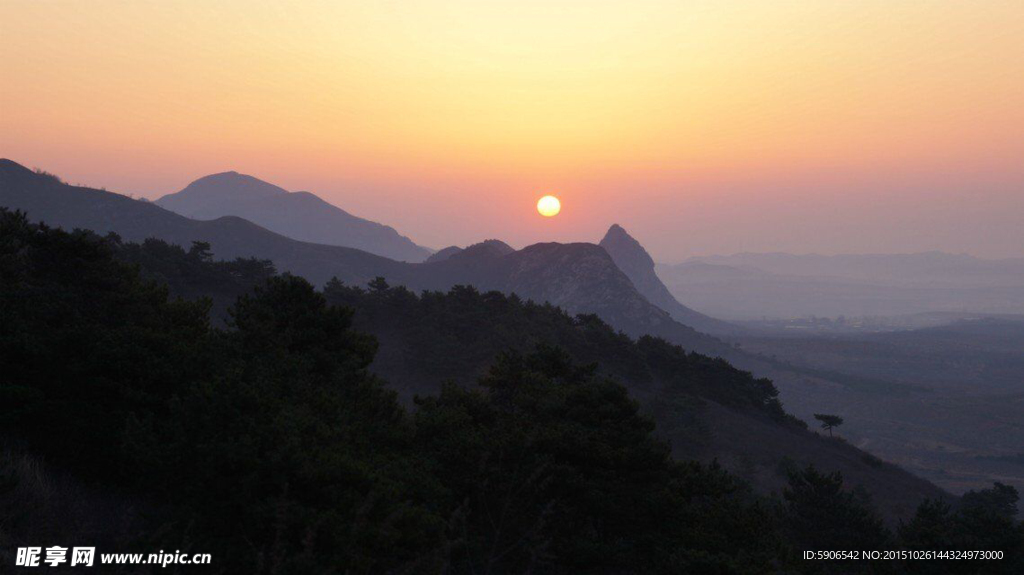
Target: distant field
<point x="944" y="402"/>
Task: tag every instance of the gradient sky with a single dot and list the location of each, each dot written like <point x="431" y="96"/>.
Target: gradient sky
<point x="702" y="127"/>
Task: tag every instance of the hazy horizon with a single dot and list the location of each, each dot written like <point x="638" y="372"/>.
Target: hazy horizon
<point x="702" y="128"/>
<point x="519" y="245"/>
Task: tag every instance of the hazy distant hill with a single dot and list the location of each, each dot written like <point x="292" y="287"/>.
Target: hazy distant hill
<point x="582" y="278"/>
<point x="499" y="247"/>
<point x="751" y="286"/>
<point x="950" y="269"/>
<point x="636" y="263"/>
<point x="443" y="254"/>
<point x="47" y="199"/>
<point x="298" y="215"/>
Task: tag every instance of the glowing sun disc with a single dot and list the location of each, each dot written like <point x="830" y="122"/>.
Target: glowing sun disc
<point x="549" y="206"/>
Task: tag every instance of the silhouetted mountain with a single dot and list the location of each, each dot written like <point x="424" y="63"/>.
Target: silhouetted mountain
<point x="582" y="278"/>
<point x="484" y="248"/>
<point x="636" y="263"/>
<point x="579" y="277"/>
<point x="45" y="198"/>
<point x="300" y="215"/>
<point x="443" y="254"/>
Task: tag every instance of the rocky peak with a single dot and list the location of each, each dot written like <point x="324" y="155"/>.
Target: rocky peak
<point x="637" y="264"/>
<point x="628" y="254"/>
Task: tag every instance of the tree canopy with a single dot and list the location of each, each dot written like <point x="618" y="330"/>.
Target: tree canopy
<point x="828" y="422"/>
<point x="266" y="439"/>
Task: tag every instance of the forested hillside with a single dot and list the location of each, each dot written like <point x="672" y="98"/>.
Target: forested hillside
<point x="272" y="444"/>
<point x="704" y="407"/>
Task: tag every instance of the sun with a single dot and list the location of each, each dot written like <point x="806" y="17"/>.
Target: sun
<point x="549" y="206"/>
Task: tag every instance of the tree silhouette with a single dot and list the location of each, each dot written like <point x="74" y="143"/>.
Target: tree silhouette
<point x="378" y="285"/>
<point x="828" y="421"/>
<point x="818" y="513"/>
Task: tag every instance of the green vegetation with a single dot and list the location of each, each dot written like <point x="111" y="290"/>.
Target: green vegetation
<point x="269" y="443"/>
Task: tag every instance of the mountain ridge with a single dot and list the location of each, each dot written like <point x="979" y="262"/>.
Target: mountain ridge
<point x="299" y="215"/>
<point x="581" y="277"/>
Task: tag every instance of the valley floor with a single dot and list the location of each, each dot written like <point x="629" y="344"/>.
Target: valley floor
<point x="945" y="404"/>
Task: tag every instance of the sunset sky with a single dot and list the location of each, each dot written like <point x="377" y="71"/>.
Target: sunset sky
<point x="702" y="127"/>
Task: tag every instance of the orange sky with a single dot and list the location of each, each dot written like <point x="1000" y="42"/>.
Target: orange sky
<point x="703" y="127"/>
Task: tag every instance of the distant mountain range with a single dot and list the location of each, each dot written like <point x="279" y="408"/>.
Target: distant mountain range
<point x="443" y="254"/>
<point x="299" y="215"/>
<point x="775" y="285"/>
<point x="581" y="278"/>
<point x="906" y="269"/>
<point x="634" y="261"/>
<point x="45" y="198"/>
